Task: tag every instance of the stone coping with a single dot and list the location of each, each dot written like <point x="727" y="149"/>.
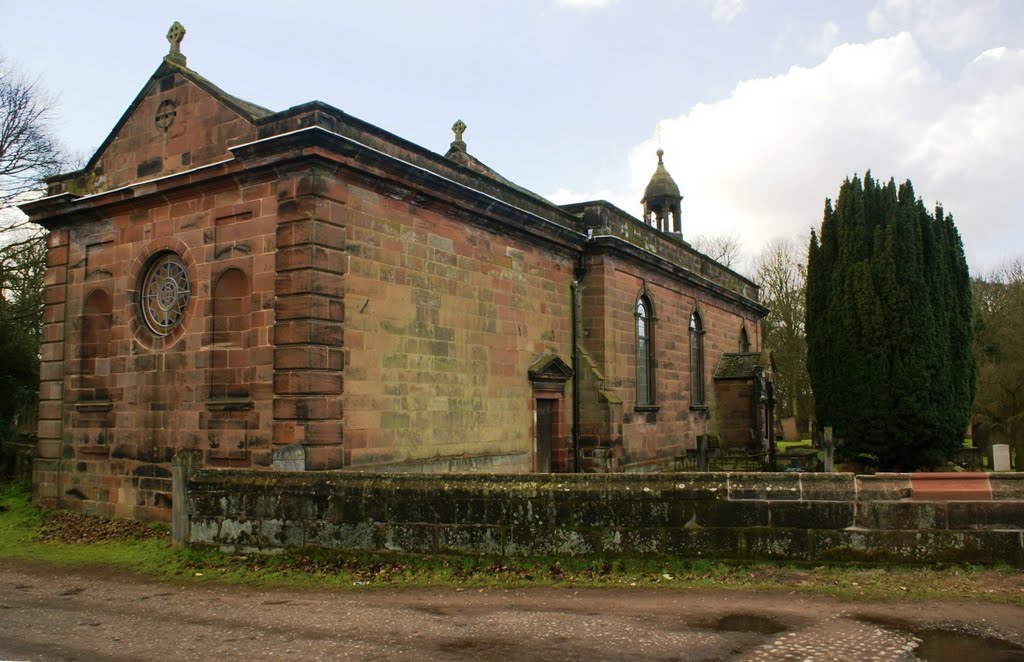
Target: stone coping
<point x="949" y="486"/>
<point x="777" y="486"/>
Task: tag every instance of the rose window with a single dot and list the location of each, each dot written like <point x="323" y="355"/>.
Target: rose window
<point x="165" y="293"/>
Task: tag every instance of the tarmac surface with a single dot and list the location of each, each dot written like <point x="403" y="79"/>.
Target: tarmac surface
<point x="53" y="613"/>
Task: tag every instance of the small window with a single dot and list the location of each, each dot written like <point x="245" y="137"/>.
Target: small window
<point x="744" y="340"/>
<point x="644" y="353"/>
<point x="696" y="361"/>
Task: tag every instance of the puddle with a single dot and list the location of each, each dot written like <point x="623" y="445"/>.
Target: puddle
<point x="945" y="646"/>
<point x="942" y="645"/>
<point x="744" y="623"/>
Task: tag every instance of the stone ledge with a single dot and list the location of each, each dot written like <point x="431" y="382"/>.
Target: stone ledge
<point x="93" y="405"/>
<point x="229" y="404"/>
<point x="883" y="487"/>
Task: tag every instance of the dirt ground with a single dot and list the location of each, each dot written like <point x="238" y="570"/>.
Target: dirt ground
<point x="52" y="613"/>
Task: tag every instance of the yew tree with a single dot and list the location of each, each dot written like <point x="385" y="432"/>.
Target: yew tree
<point x="889" y="326"/>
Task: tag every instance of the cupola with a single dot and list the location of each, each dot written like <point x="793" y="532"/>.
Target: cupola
<point x="662" y="200"/>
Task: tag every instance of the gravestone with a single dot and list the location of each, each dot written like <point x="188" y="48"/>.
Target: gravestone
<point x="1016" y="426"/>
<point x="290" y="458"/>
<point x="1000" y="457"/>
<point x="829" y="446"/>
<point x="790" y="431"/>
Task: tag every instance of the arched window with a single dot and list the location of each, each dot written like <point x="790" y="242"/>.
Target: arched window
<point x="744" y="340"/>
<point x="696" y="360"/>
<point x="644" y="352"/>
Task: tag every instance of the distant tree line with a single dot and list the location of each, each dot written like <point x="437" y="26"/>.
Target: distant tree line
<point x="999" y="341"/>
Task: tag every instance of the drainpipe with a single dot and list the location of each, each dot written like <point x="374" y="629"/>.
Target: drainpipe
<point x="575" y="382"/>
<point x="769" y="416"/>
<point x="576" y="415"/>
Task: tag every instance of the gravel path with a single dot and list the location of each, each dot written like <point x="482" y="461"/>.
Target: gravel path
<point x="51" y="613"/>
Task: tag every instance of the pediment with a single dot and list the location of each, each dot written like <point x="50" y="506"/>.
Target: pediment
<point x="178" y="121"/>
<point x="550" y="368"/>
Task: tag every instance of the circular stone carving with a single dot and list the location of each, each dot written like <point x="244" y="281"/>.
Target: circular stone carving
<point x="165" y="292"/>
<point x="165" y="114"/>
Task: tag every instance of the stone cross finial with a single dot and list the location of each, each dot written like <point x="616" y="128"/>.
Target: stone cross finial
<point x="459" y="128"/>
<point x="174" y="35"/>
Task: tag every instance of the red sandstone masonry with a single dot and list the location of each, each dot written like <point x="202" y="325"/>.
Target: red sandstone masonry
<point x="307" y="364"/>
<point x="612" y="286"/>
<point x="950" y="486"/>
<point x="157" y="402"/>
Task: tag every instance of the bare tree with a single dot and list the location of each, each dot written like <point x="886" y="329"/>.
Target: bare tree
<point x="28" y="151"/>
<point x="725" y="249"/>
<point x="781" y="272"/>
<point x="998" y="343"/>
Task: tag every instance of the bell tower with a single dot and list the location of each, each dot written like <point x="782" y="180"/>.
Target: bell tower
<point x="662" y="200"/>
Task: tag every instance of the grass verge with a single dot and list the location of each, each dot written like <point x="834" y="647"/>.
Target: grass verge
<point x="29" y="533"/>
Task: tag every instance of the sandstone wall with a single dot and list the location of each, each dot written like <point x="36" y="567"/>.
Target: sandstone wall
<point x="653" y="435"/>
<point x="116" y="398"/>
<point x="443" y="318"/>
<point x="805" y="517"/>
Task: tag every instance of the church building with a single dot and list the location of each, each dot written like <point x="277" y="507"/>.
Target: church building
<point x="304" y="290"/>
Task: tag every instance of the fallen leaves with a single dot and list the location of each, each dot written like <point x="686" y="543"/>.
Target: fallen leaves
<point x="76" y="528"/>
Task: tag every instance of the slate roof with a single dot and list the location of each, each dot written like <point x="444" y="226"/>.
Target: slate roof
<point x="742" y="365"/>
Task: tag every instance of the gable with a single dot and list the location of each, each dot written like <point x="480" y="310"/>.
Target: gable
<point x="178" y="122"/>
<point x="550" y="368"/>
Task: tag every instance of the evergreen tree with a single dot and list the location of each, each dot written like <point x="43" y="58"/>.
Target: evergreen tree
<point x="889" y="326"/>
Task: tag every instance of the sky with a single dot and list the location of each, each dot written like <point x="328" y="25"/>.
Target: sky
<point x="763" y="108"/>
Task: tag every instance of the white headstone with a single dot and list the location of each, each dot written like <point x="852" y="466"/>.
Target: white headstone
<point x="1000" y="457"/>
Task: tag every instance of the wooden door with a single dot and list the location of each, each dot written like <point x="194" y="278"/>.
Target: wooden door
<point x="545" y="434"/>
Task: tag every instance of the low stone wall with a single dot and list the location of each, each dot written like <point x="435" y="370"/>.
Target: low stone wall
<point x="794" y="516"/>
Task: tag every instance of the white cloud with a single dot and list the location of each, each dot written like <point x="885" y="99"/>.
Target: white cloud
<point x="761" y="162"/>
<point x="941" y="24"/>
<point x="724" y="11"/>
